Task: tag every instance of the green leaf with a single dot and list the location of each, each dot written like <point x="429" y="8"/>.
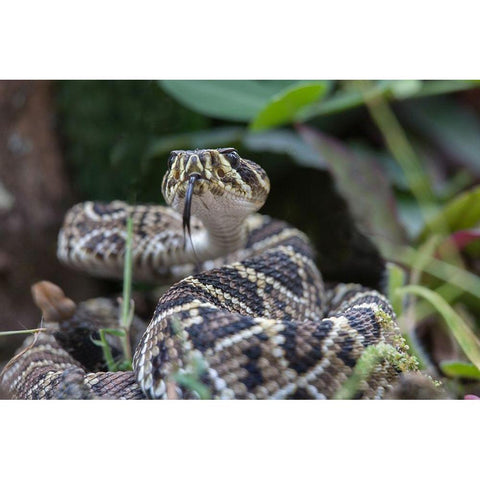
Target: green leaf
<point x="107" y="352"/>
<point x="347" y="99"/>
<point x="283" y="107"/>
<point x="341" y="101"/>
<point x="396" y="279"/>
<point x="450" y="274"/>
<point x="217" y="137"/>
<point x="283" y="141"/>
<point x="363" y="184"/>
<point x="454" y="128"/>
<point x="441" y="87"/>
<point x="96" y="342"/>
<point x="405" y="88"/>
<point x="460" y="369"/>
<point x="460" y="213"/>
<point x="238" y="100"/>
<point x="114" y="331"/>
<point x="280" y="141"/>
<point x="467" y="340"/>
<point x="125" y="365"/>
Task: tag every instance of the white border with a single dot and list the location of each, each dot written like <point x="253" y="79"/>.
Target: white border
<point x="149" y="39"/>
<point x="248" y="39"/>
<point x="235" y="439"/>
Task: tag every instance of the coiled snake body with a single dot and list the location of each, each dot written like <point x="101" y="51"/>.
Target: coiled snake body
<point x="251" y="310"/>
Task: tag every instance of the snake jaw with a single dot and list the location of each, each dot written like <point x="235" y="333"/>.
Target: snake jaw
<point x="223" y="172"/>
<point x="227" y="190"/>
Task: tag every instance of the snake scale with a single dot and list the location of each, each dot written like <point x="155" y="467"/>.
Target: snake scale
<point x="248" y="314"/>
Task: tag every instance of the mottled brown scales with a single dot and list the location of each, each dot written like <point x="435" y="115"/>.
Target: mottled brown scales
<point x="250" y="316"/>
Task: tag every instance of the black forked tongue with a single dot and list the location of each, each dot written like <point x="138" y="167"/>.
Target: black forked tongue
<point x="187" y="209"/>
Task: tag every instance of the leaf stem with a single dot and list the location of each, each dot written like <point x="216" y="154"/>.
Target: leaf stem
<point x="107" y="353"/>
<point x="22" y="332"/>
<point x="127" y="302"/>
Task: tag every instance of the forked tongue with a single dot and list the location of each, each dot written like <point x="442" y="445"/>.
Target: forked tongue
<point x="187" y="209"/>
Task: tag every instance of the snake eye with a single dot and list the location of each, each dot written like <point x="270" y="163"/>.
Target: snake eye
<point x="233" y="157"/>
<point x="171" y="158"/>
<point x="226" y="150"/>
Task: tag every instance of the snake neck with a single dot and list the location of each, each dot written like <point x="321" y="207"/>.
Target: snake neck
<point x="226" y="234"/>
<point x="223" y="234"/>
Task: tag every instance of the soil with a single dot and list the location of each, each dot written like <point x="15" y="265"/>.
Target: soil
<point x="35" y="192"/>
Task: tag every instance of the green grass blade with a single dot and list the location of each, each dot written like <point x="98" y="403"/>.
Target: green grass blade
<point x="114" y="331"/>
<point x="107" y="352"/>
<point x="460" y="213"/>
<point x="459" y="277"/>
<point x="396" y="279"/>
<point x="398" y="144"/>
<point x="127" y="277"/>
<point x="465" y="337"/>
<point x="21" y="332"/>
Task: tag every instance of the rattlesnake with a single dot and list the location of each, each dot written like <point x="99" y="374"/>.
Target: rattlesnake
<point x="250" y="315"/>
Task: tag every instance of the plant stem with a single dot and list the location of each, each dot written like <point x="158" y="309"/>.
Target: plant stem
<point x="127" y="302"/>
<point x="127" y="277"/>
<point x="459" y="277"/>
<point x="22" y="332"/>
<point x="400" y="148"/>
<point x="107" y="353"/>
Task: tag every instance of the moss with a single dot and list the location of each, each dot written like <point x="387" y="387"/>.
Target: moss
<point x="372" y="357"/>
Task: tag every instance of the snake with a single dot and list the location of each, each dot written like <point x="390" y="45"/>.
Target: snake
<point x="246" y="313"/>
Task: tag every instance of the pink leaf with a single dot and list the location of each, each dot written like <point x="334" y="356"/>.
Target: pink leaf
<point x="464" y="237"/>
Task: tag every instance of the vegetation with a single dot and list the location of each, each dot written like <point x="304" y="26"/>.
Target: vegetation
<point x="403" y="156"/>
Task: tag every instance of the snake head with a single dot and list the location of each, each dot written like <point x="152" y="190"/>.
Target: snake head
<point x="225" y="183"/>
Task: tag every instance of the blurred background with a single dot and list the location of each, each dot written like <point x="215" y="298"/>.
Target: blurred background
<point x="382" y="175"/>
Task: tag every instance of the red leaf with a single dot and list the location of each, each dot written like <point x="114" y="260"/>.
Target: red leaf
<point x="462" y="238"/>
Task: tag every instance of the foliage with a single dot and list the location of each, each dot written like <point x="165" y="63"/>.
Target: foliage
<point x="466" y="338"/>
<point x="404" y="155"/>
<point x="460" y="369"/>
